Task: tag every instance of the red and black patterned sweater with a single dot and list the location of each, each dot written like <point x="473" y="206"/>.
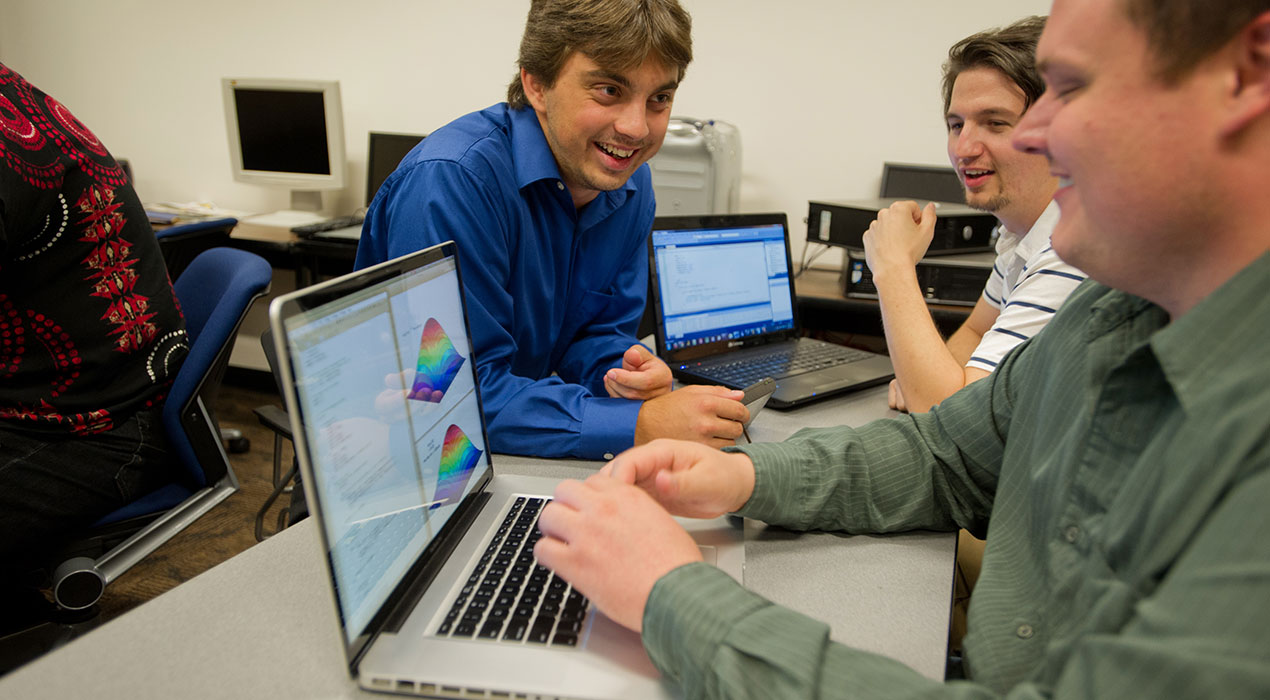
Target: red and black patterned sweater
<point x="90" y="331"/>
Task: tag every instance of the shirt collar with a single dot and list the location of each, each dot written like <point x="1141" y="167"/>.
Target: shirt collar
<point x="1027" y="245"/>
<point x="1228" y="329"/>
<point x="533" y="158"/>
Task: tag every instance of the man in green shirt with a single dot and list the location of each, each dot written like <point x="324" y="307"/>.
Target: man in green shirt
<point x="1119" y="462"/>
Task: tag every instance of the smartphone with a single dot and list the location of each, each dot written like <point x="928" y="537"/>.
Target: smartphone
<point x="756" y="396"/>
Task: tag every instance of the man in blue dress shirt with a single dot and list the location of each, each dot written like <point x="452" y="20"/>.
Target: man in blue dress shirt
<point x="550" y="202"/>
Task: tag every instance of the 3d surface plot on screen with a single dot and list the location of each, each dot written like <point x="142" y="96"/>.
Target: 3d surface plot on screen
<point x="438" y="364"/>
<point x="458" y="457"/>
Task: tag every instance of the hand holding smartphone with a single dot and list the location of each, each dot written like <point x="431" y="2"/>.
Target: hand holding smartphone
<point x="756" y="396"/>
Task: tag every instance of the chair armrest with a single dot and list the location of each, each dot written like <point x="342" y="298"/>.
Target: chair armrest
<point x="275" y="419"/>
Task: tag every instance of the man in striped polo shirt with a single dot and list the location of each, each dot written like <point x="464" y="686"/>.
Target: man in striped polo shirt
<point x="989" y="81"/>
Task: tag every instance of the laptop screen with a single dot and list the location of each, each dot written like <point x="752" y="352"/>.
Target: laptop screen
<point x="387" y="395"/>
<point x="720" y="283"/>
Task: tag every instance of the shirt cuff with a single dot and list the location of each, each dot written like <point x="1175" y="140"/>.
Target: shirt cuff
<point x="776" y="474"/>
<point x="608" y="427"/>
<point x="689" y="613"/>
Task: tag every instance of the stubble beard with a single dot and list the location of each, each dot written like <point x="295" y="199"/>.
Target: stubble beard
<point x="992" y="205"/>
<point x="574" y="172"/>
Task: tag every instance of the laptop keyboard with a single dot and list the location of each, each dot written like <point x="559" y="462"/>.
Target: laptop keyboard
<point x="327" y="225"/>
<point x="786" y="362"/>
<point x="510" y="597"/>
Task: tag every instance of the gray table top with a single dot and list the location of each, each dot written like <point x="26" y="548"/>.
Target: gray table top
<point x="263" y="623"/>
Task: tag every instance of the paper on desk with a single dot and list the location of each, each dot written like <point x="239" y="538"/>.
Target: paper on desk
<point x="190" y="211"/>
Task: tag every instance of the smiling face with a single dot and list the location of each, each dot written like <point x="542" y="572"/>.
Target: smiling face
<point x="982" y="114"/>
<point x="1134" y="155"/>
<point x="601" y="124"/>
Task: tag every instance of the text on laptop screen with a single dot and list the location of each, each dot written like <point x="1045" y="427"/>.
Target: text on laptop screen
<point x="388" y="398"/>
<point x="722" y="283"/>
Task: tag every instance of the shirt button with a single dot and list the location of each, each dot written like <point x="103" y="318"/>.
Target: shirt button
<point x="559" y="185"/>
<point x="1025" y="631"/>
<point x="608" y="455"/>
<point x="1071" y="534"/>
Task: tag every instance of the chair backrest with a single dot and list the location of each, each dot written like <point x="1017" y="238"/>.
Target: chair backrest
<point x="271" y="357"/>
<point x="182" y="243"/>
<point x="215" y="292"/>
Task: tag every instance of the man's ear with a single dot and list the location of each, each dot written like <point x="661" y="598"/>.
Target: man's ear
<point x="1251" y="96"/>
<point x="535" y="91"/>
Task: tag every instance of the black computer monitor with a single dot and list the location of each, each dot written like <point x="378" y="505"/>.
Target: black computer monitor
<point x="288" y="133"/>
<point x="383" y="155"/>
<point x="927" y="182"/>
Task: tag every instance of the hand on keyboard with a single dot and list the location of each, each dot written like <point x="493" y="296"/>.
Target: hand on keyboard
<point x="612" y="542"/>
<point x="328" y="225"/>
<point x="509" y="596"/>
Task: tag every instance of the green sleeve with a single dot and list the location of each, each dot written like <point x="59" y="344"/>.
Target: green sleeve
<point x="715" y="639"/>
<point x="931" y="471"/>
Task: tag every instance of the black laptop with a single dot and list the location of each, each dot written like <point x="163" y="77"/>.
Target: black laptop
<point x="726" y="314"/>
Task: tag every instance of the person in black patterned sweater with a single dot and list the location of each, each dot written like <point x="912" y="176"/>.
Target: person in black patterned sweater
<point x="91" y="336"/>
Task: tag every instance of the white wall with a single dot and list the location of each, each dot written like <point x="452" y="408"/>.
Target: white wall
<point x="823" y="91"/>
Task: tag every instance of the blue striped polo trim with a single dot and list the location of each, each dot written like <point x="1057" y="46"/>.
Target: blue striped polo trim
<point x="1060" y="273"/>
<point x="991" y="298"/>
<point x="1030" y="305"/>
<point x="990" y="363"/>
<point x="1008" y="332"/>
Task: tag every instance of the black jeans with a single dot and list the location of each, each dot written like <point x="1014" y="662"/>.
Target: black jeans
<point x="53" y="486"/>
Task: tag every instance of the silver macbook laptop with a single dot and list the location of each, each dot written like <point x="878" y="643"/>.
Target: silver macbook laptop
<point x="429" y="551"/>
<point x="726" y="312"/>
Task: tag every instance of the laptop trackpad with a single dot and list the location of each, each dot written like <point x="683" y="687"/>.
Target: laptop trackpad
<point x="722" y="544"/>
<point x="874" y="370"/>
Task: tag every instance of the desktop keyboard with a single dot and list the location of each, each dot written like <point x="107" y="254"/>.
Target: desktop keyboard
<point x="510" y="597"/>
<point x="803" y="357"/>
<point x="328" y="225"/>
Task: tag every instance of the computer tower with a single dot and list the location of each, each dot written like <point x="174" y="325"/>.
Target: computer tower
<point x="943" y="279"/>
<point x="698" y="169"/>
<point x="958" y="228"/>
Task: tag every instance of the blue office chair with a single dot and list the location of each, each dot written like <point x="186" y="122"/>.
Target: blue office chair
<point x="182" y="243"/>
<point x="215" y="292"/>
